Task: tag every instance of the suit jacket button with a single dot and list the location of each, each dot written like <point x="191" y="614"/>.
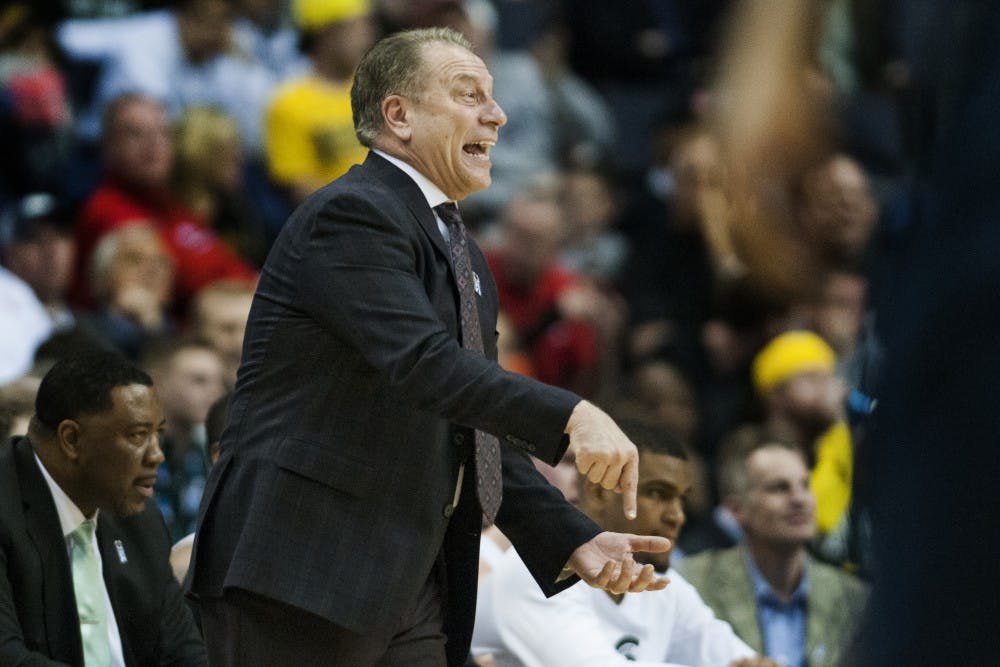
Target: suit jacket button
<point x="448" y="510"/>
<point x="458" y="439"/>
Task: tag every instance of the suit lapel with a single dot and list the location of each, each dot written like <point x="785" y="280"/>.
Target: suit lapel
<point x="411" y="195"/>
<point x="736" y="594"/>
<point x="108" y="540"/>
<point x="821" y="619"/>
<point x="400" y="183"/>
<point x="42" y="524"/>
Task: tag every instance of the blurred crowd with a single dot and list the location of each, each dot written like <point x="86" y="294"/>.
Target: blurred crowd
<point x="152" y="151"/>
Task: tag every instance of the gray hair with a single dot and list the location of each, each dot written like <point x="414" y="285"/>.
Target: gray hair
<point x="734" y="457"/>
<point x="103" y="258"/>
<point x="394" y="66"/>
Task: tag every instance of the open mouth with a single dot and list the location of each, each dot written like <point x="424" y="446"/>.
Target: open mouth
<point x="479" y="149"/>
<point x="145" y="487"/>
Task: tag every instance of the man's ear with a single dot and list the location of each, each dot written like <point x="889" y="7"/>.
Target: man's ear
<point x="396" y="118"/>
<point x="734" y="503"/>
<point x="68" y="435"/>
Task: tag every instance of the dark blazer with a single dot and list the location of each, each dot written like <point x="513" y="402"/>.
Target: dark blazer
<point x="354" y="407"/>
<point x="38" y="619"/>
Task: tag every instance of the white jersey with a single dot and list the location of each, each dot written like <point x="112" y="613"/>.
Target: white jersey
<point x="584" y="627"/>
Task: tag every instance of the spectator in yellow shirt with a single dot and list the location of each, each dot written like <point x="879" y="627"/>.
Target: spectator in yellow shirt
<point x="804" y="404"/>
<point x="308" y="128"/>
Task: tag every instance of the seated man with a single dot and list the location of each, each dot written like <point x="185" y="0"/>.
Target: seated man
<point x="804" y="405"/>
<point x="780" y="601"/>
<point x="86" y="576"/>
<point x="585" y="626"/>
<point x="132" y="282"/>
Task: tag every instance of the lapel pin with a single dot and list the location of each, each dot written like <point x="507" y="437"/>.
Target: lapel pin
<point x="121" y="551"/>
<point x="475" y="283"/>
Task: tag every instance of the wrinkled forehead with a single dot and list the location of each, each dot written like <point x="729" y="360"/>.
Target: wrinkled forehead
<point x="445" y="64"/>
<point x="774" y="463"/>
<point x="135" y="399"/>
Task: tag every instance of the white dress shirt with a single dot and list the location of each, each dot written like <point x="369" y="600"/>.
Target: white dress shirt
<point x="432" y="193"/>
<point x="70" y="518"/>
<point x="584" y="627"/>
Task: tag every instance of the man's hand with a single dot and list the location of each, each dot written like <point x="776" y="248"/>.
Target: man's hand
<point x="606" y="562"/>
<point x="603" y="453"/>
<point x="140" y="304"/>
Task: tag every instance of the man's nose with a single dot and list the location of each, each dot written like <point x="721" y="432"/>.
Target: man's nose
<point x="155" y="454"/>
<point x="673" y="513"/>
<point x="802" y="495"/>
<point x="494" y="114"/>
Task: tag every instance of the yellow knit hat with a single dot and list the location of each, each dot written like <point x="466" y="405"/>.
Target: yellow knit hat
<point x="314" y="14"/>
<point x="789" y="354"/>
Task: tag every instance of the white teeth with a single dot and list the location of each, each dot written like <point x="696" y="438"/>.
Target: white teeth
<point x="484" y="146"/>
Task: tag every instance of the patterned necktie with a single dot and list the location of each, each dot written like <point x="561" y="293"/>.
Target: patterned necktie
<point x="489" y="483"/>
<point x="90" y="605"/>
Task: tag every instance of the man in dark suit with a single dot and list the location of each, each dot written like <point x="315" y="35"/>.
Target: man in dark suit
<point x="90" y="457"/>
<point x="341" y="524"/>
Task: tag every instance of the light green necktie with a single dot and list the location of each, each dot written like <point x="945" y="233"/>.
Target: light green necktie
<point x="90" y="604"/>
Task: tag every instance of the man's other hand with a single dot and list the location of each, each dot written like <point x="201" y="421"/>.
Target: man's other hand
<point x="606" y="562"/>
<point x="603" y="453"/>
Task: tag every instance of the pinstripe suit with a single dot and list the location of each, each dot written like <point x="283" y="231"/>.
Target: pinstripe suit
<point x="353" y="410"/>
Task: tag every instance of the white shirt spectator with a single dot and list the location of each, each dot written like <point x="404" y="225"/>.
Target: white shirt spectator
<point x="24" y="326"/>
<point x="277" y="50"/>
<point x="485" y="640"/>
<point x="143" y="54"/>
<point x="584" y="627"/>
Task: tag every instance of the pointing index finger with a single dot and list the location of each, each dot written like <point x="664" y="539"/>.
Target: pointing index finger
<point x="629" y="484"/>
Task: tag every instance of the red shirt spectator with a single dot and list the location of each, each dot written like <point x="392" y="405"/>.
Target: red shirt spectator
<point x="200" y="255"/>
<point x="138" y="153"/>
<point x="562" y="350"/>
<point x="552" y="310"/>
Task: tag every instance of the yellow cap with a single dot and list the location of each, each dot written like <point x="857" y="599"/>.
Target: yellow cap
<point x="313" y="14"/>
<point x="789" y="354"/>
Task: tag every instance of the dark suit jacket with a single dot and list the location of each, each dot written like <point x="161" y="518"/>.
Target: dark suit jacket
<point x="354" y="407"/>
<point x="38" y="619"/>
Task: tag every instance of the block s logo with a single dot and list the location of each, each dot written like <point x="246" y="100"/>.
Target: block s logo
<point x="627" y="647"/>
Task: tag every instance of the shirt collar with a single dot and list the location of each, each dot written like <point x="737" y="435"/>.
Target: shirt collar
<point x="765" y="595"/>
<point x="431" y="192"/>
<point x="70" y="516"/>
